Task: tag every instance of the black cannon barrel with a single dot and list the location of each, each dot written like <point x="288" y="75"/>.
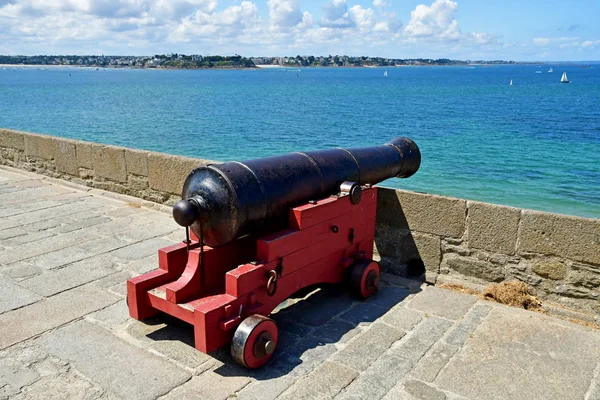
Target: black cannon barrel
<point x="228" y="200"/>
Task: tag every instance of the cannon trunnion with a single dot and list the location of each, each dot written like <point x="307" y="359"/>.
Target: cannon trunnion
<point x="263" y="230"/>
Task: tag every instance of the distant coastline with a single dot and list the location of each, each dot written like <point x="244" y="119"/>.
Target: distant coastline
<point x="182" y="61"/>
<point x="255" y="68"/>
<point x="237" y="62"/>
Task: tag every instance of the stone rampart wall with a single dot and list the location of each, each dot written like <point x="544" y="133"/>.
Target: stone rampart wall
<point x="447" y="238"/>
<point x="148" y="175"/>
<point x="557" y="255"/>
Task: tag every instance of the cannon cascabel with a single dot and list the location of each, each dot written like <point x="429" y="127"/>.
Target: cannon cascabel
<point x="228" y="200"/>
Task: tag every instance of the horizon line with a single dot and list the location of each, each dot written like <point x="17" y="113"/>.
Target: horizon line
<point x="305" y="55"/>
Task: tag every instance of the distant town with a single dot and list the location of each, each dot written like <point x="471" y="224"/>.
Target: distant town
<point x="183" y="61"/>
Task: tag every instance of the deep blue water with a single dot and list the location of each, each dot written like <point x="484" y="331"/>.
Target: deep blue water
<point x="534" y="145"/>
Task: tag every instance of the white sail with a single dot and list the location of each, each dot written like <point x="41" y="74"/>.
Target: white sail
<point x="511" y="82"/>
<point x="564" y="78"/>
<point x="550" y="70"/>
<point x="385" y="73"/>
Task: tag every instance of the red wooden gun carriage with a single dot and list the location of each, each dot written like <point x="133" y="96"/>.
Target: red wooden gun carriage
<point x="262" y="231"/>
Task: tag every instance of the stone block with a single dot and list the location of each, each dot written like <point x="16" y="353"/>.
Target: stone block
<point x="459" y="335"/>
<point x="71" y="276"/>
<point x="115" y="318"/>
<point x="421" y="390"/>
<point x="26" y="322"/>
<point x="299" y="356"/>
<point x="418" y="341"/>
<point x="83" y="224"/>
<point x="12" y="139"/>
<point x="560" y="235"/>
<point x="13" y="296"/>
<point x="443" y="302"/>
<point x="181" y="353"/>
<point x="437" y="215"/>
<point x="141" y="266"/>
<point x="85" y="155"/>
<point x="137" y="162"/>
<point x="584" y="275"/>
<point x="477" y="268"/>
<point x="361" y="352"/>
<point x="109" y="163"/>
<point x="167" y="173"/>
<point x="21" y="270"/>
<point x="400" y="247"/>
<point x="60" y="382"/>
<point x="127" y="371"/>
<point x="210" y="386"/>
<point x="391" y="243"/>
<point x="325" y="382"/>
<point x="527" y="354"/>
<point x="429" y="249"/>
<point x="337" y="331"/>
<point x="403" y="318"/>
<point x="377" y="380"/>
<point x="47" y="245"/>
<point x="428" y="367"/>
<point x="65" y="156"/>
<point x="364" y="313"/>
<point x="550" y="269"/>
<point x="39" y="146"/>
<point x="136" y="184"/>
<point x="268" y="389"/>
<point x="141" y="250"/>
<point x="28" y="238"/>
<point x="320" y="307"/>
<point x="388" y="296"/>
<point x="492" y="228"/>
<point x="13" y="379"/>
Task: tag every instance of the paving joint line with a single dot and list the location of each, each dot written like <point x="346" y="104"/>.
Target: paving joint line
<point x="33" y="337"/>
<point x="77" y="286"/>
<point x="91" y="237"/>
<point x="87" y="241"/>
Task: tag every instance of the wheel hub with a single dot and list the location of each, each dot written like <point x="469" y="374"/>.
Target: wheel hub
<point x="372" y="281"/>
<point x="264" y="346"/>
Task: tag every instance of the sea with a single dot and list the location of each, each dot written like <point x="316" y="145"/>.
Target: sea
<point x="535" y="144"/>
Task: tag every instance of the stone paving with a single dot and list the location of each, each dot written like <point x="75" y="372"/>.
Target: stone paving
<point x="66" y="252"/>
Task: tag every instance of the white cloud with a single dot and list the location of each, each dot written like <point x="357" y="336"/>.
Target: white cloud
<point x="437" y="23"/>
<point x="336" y="15"/>
<point x="436" y="20"/>
<point x="234" y="21"/>
<point x="590" y="43"/>
<point x="363" y="17"/>
<point x="560" y="42"/>
<point x="483" y="38"/>
<point x="220" y="27"/>
<point x="284" y="13"/>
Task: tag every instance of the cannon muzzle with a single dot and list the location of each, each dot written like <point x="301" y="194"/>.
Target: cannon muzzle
<point x="221" y="202"/>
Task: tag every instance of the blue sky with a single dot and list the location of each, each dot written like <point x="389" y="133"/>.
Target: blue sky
<point x="463" y="29"/>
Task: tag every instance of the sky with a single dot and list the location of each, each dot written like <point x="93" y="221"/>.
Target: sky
<point x="520" y="30"/>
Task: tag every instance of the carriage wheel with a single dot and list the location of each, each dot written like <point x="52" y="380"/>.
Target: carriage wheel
<point x="364" y="278"/>
<point x="254" y="341"/>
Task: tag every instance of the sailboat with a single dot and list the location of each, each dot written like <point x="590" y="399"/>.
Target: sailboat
<point x="510" y="83"/>
<point x="564" y="78"/>
<point x="550" y="70"/>
<point x="385" y="73"/>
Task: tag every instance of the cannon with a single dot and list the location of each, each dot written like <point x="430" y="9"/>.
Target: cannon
<point x="261" y="231"/>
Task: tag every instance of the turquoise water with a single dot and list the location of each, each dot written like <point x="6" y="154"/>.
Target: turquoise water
<point x="534" y="145"/>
